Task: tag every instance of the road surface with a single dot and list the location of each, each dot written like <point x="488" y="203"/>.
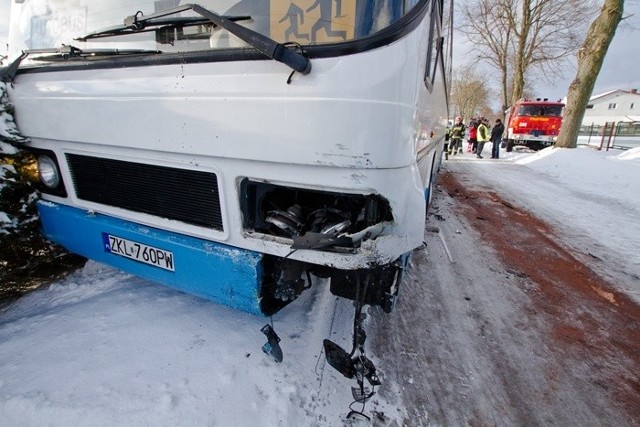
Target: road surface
<point x="499" y="324"/>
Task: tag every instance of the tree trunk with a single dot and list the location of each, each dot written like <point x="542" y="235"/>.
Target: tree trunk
<point x="504" y="73"/>
<point x="590" y="58"/>
<point x="505" y="101"/>
<point x="520" y="68"/>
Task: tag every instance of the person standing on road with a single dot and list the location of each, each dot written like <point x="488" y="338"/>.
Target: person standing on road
<point x="483" y="136"/>
<point x="447" y="141"/>
<point x="473" y="133"/>
<point x="496" y="138"/>
<point x="457" y="133"/>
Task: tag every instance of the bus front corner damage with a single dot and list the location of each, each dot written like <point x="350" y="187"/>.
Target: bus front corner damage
<point x="326" y="222"/>
<point x="318" y="224"/>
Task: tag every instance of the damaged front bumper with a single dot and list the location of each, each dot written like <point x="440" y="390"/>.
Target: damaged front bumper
<point x="250" y="281"/>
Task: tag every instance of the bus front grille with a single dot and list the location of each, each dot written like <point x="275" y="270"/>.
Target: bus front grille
<point x="178" y="194"/>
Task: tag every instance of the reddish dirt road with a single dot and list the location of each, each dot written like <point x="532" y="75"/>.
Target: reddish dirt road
<point x="591" y="321"/>
<point x="500" y="324"/>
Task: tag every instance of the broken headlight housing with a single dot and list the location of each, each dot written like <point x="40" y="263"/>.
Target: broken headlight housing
<point x="313" y="219"/>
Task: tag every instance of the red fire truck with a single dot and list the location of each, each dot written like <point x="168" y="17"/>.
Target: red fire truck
<point x="533" y="123"/>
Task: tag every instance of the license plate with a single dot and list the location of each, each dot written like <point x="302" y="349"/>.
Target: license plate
<point x="138" y="251"/>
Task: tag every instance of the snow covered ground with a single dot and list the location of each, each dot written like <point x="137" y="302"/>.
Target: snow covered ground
<point x="621" y="142"/>
<point x="592" y="197"/>
<point x="103" y="348"/>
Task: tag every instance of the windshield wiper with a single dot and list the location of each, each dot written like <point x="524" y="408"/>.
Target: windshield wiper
<point x="149" y="23"/>
<point x="269" y="47"/>
<point x="64" y="52"/>
<point x="8" y="73"/>
<point x="68" y="51"/>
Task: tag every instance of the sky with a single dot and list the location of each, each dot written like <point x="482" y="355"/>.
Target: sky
<point x="620" y="67"/>
<point x="104" y="348"/>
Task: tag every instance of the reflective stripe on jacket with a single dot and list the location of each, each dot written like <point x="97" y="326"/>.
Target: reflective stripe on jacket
<point x="483" y="133"/>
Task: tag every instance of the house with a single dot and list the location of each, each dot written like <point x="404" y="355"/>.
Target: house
<point x="614" y="106"/>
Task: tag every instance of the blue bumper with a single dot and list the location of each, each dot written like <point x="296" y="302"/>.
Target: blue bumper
<point x="221" y="273"/>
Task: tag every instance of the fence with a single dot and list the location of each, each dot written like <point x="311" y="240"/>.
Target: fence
<point x="621" y="135"/>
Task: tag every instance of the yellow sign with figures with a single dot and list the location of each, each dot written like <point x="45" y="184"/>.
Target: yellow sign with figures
<point x="313" y="21"/>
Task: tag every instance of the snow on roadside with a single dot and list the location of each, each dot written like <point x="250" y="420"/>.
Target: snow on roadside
<point x="609" y="173"/>
<point x="105" y="348"/>
<point x="629" y="154"/>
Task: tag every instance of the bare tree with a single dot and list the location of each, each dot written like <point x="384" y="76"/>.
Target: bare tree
<point x="547" y="32"/>
<point x="469" y="93"/>
<point x="487" y="27"/>
<point x="521" y="37"/>
<point x="590" y="58"/>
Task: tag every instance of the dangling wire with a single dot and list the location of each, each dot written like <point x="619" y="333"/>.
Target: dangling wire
<point x="290" y="76"/>
<point x="363" y="401"/>
<point x="136" y="24"/>
<point x="356" y="318"/>
<point x="300" y="50"/>
<point x="358" y="344"/>
<point x="290" y="253"/>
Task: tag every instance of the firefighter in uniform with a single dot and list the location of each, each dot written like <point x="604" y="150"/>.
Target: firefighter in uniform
<point x="457" y="134"/>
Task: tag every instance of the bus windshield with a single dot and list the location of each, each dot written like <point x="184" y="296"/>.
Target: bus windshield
<point x="47" y="24"/>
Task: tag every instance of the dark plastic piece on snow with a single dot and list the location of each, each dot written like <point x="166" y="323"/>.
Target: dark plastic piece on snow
<point x="272" y="347"/>
<point x="339" y="359"/>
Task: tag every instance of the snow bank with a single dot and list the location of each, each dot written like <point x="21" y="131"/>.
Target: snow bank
<point x="613" y="173"/>
<point x="629" y="154"/>
<point x="105" y="348"/>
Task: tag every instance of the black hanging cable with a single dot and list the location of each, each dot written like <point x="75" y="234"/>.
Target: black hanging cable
<point x="290" y="253"/>
<point x="358" y="343"/>
<point x="356" y="317"/>
<point x="308" y="279"/>
<point x="300" y="50"/>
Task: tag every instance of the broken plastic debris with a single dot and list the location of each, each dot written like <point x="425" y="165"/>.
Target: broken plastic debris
<point x="272" y="347"/>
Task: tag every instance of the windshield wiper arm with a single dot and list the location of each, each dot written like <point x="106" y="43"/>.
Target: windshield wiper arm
<point x="64" y="54"/>
<point x="269" y="47"/>
<point x="69" y="51"/>
<point x="8" y="73"/>
<point x="152" y="24"/>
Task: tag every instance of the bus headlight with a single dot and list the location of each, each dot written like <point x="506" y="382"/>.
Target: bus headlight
<point x="48" y="171"/>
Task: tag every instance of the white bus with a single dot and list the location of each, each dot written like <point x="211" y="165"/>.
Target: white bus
<point x="236" y="150"/>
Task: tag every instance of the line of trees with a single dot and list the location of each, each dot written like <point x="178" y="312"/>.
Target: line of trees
<point x="523" y="41"/>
